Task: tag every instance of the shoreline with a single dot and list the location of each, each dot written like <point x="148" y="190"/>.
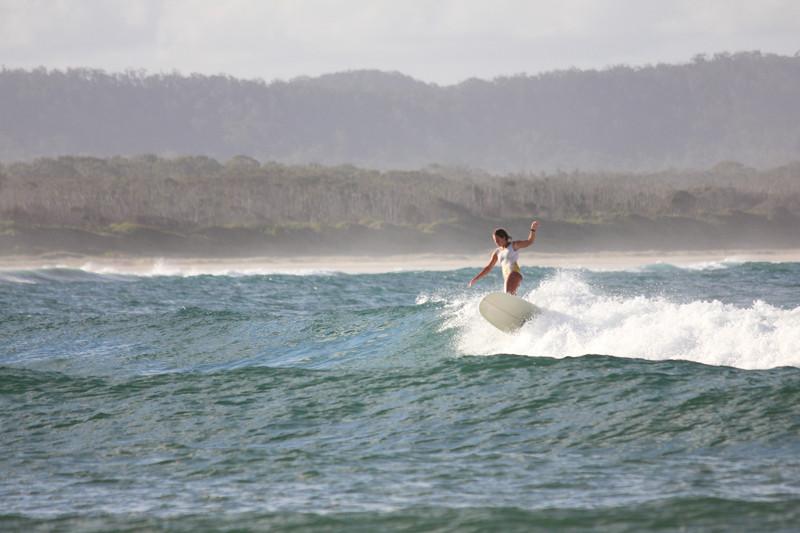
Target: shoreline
<point x="379" y="264"/>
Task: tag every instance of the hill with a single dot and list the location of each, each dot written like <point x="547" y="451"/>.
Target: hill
<point x="740" y="107"/>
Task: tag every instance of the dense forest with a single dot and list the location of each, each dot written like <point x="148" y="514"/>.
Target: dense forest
<point x="740" y="107"/>
<point x="254" y="202"/>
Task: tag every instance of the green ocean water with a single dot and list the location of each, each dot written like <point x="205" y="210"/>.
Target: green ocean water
<point x="659" y="398"/>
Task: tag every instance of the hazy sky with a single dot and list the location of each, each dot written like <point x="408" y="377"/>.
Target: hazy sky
<point x="442" y="41"/>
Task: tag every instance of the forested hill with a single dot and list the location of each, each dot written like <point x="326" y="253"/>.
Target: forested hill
<point x="741" y="107"/>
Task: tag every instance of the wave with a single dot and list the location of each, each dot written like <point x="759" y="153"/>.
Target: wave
<point x="185" y="269"/>
<point x="659" y="513"/>
<point x="58" y="274"/>
<point x="238" y="267"/>
<point x="580" y="320"/>
<point x="652" y="263"/>
<point x="725" y="264"/>
<point x="131" y="269"/>
<point x="104" y="272"/>
<point x="694" y="266"/>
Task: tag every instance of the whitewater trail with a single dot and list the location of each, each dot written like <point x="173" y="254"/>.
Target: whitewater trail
<point x="579" y="319"/>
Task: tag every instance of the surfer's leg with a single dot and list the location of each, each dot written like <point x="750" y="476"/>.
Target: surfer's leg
<point x="513" y="282"/>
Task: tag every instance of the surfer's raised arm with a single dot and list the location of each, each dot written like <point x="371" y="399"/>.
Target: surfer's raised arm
<point x="531" y="237"/>
<point x="486" y="269"/>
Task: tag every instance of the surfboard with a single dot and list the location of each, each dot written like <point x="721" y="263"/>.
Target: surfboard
<point x="506" y="312"/>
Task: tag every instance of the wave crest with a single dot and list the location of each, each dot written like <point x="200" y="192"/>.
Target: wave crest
<point x="580" y="320"/>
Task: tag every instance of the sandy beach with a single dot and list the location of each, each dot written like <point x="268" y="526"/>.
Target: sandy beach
<point x="390" y="263"/>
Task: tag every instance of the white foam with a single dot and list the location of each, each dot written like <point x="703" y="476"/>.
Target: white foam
<point x="183" y="268"/>
<point x="728" y="262"/>
<point x="579" y="320"/>
<point x="12" y="278"/>
<point x="301" y="266"/>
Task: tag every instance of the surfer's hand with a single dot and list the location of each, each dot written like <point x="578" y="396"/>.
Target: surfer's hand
<point x="534" y="225"/>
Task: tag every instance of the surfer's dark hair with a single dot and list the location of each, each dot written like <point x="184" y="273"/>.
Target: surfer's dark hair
<point x="503" y="234"/>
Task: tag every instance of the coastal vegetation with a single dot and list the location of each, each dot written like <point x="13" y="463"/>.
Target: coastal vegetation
<point x="244" y="206"/>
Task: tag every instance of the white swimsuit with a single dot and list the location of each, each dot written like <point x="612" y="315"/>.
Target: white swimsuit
<point x="508" y="258"/>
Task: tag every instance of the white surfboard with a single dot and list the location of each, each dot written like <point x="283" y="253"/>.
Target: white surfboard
<point x="507" y="312"/>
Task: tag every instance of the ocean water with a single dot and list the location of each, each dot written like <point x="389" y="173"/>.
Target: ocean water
<point x="657" y="398"/>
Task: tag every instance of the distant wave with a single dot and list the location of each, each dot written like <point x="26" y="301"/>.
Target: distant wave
<point x="722" y="264"/>
<point x="99" y="272"/>
<point x="164" y="267"/>
<point x="728" y="262"/>
<point x="62" y="274"/>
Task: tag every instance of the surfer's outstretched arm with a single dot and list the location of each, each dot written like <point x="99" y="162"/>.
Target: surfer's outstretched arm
<point x="486" y="269"/>
<point x="531" y="237"/>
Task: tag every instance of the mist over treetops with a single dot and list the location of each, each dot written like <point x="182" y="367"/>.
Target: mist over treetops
<point x="741" y="107"/>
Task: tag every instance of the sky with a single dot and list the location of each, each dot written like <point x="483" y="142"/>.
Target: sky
<point x="444" y="41"/>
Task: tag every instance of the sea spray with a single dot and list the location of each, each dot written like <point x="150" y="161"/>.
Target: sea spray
<point x="579" y="320"/>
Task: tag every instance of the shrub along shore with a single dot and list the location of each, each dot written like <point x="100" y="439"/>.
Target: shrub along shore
<point x="197" y="206"/>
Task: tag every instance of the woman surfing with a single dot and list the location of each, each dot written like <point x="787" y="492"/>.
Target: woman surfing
<point x="507" y="252"/>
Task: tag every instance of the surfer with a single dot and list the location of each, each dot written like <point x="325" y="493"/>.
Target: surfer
<point x="507" y="252"/>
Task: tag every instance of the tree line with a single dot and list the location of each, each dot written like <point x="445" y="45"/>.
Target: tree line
<point x="199" y="191"/>
<point x="739" y="107"/>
